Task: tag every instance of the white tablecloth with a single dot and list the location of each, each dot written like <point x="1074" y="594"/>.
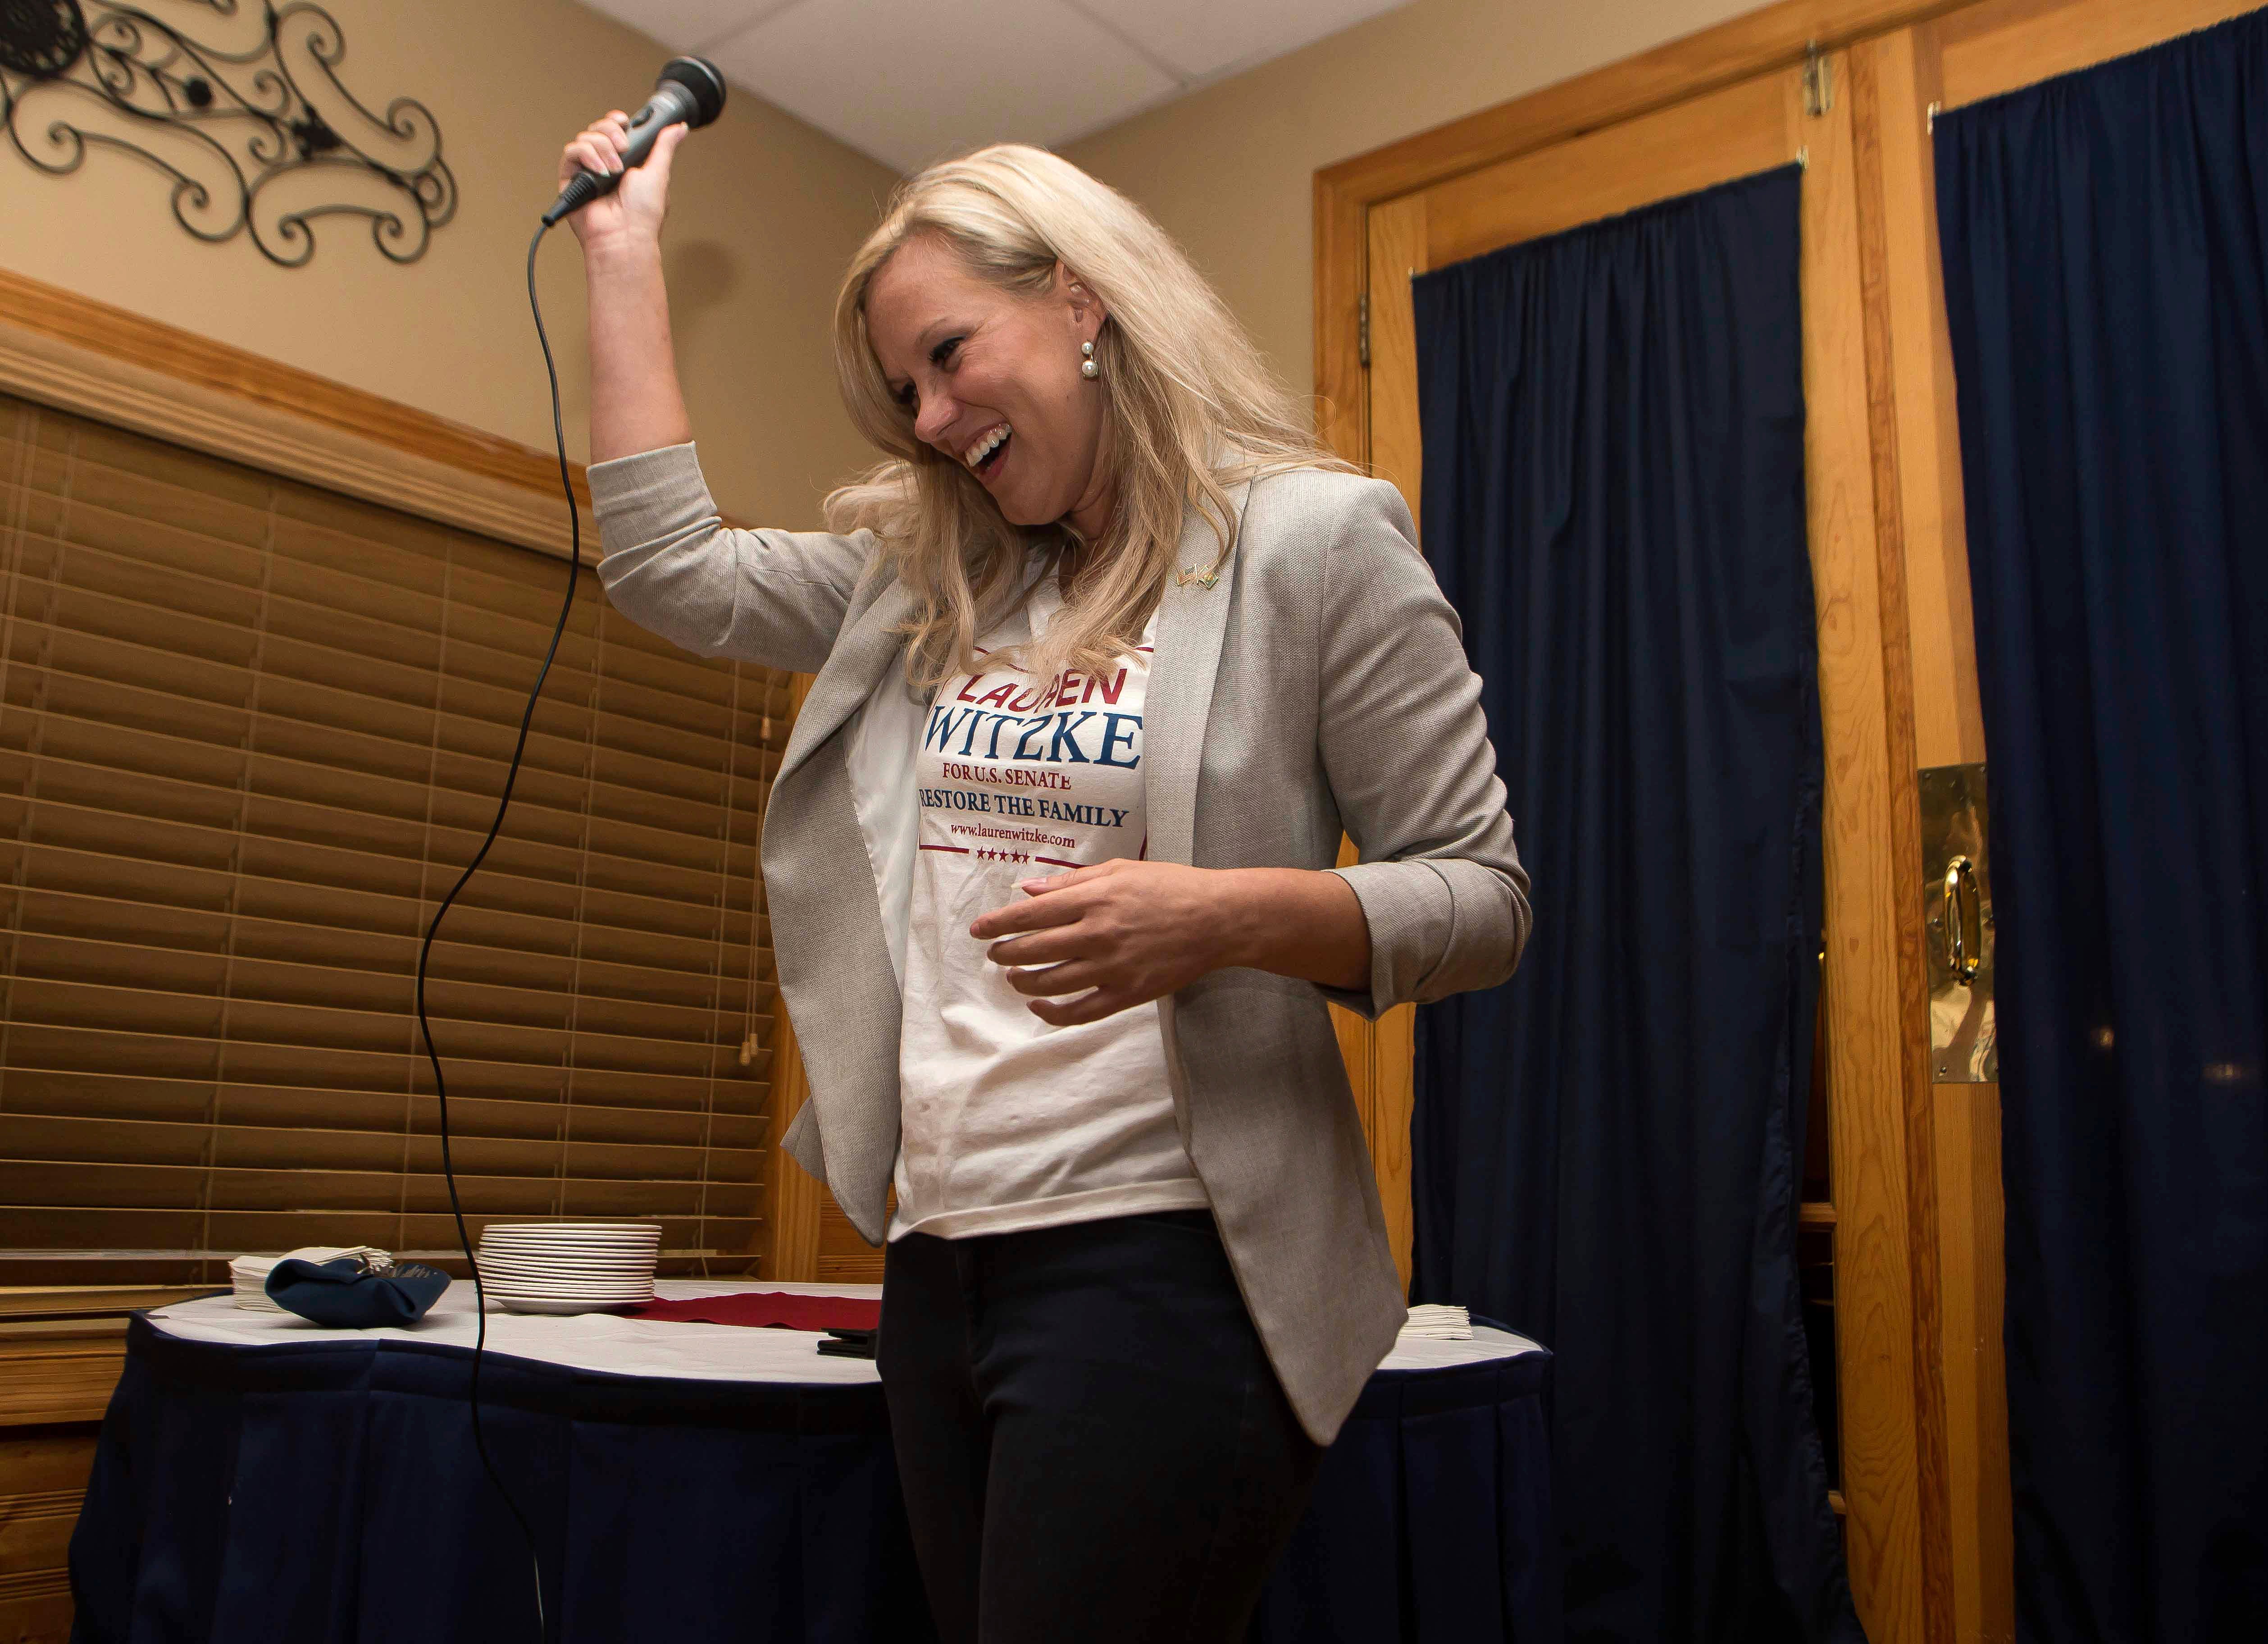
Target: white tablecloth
<point x="700" y="1353"/>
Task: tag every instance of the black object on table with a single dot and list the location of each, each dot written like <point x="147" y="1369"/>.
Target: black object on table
<point x="330" y="1492"/>
<point x="849" y="1344"/>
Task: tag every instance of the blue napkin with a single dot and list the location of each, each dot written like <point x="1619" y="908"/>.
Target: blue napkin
<point x="348" y="1294"/>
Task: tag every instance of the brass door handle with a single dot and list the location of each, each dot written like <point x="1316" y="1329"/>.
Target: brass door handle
<point x="1962" y="960"/>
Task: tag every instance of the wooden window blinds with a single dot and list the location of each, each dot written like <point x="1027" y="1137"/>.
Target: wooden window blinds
<point x="253" y="731"/>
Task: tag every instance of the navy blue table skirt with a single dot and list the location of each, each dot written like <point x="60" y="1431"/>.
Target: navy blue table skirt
<point x="305" y="1495"/>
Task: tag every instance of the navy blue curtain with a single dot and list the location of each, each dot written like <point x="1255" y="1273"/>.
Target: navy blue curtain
<point x="1607" y="1148"/>
<point x="2106" y="269"/>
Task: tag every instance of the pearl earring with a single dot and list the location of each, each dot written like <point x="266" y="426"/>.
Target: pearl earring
<point x="1087" y="366"/>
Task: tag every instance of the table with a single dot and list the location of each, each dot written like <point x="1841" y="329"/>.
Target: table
<point x="259" y="1479"/>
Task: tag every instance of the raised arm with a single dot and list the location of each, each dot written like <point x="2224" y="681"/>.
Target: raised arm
<point x="636" y="404"/>
<point x="671" y="563"/>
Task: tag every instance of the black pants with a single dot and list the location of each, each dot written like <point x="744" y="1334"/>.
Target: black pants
<point x="1092" y="1443"/>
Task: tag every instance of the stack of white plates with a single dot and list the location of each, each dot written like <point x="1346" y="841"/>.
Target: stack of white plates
<point x="569" y="1267"/>
<point x="1432" y="1321"/>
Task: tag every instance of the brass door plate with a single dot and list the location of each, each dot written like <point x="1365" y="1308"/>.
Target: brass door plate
<point x="1957" y="927"/>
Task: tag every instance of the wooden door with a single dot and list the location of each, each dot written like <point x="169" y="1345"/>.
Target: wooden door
<point x="1786" y="115"/>
<point x="1914" y="1209"/>
<point x="1901" y="79"/>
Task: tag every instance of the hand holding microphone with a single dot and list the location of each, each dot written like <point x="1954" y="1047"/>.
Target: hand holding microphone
<point x="602" y="159"/>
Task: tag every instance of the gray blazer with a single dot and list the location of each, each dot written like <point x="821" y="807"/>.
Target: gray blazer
<point x="1319" y="684"/>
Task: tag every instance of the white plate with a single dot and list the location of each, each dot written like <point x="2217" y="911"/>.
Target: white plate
<point x="570" y="1253"/>
<point x="548" y="1297"/>
<point x="575" y="1269"/>
<point x="574" y="1235"/>
<point x="595" y="1293"/>
<point x="644" y="1229"/>
<point x="560" y="1304"/>
<point x="524" y="1253"/>
<point x="591" y="1246"/>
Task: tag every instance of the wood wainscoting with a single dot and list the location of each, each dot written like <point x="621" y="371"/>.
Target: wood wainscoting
<point x="60" y="1354"/>
<point x="43" y="1471"/>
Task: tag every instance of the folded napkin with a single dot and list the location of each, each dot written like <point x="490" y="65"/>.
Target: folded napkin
<point x="249" y="1274"/>
<point x="350" y="1293"/>
<point x="761" y="1308"/>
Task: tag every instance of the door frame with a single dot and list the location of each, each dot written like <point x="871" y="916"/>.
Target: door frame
<point x="1896" y="1484"/>
<point x="1917" y="1204"/>
<point x="1776" y="37"/>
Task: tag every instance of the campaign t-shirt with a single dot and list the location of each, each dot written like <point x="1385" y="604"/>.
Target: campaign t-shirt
<point x="1009" y="1122"/>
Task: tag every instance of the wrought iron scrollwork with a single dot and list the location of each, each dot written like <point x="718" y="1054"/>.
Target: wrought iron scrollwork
<point x="244" y="111"/>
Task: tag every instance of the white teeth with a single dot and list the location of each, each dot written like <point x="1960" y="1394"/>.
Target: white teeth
<point x="983" y="447"/>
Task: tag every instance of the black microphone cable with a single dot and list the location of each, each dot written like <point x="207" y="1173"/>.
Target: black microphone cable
<point x="424" y="953"/>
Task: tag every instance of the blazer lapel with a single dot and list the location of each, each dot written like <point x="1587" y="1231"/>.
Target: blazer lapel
<point x="842" y="991"/>
<point x="1192" y="616"/>
<point x="867" y="646"/>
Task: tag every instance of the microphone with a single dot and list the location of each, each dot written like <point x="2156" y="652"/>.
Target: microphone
<point x="690" y="90"/>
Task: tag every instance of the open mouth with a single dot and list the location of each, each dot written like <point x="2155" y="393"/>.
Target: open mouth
<point x="986" y="454"/>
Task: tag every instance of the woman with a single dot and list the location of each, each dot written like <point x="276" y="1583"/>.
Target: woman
<point x="1107" y="652"/>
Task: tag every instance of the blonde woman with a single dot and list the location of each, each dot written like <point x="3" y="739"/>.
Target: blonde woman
<point x="1107" y="652"/>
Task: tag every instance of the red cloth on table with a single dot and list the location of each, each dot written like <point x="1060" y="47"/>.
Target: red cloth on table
<point x="762" y="1308"/>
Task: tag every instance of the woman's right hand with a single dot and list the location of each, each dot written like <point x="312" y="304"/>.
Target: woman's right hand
<point x="634" y="211"/>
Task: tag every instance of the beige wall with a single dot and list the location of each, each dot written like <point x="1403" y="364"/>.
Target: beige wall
<point x="1230" y="172"/>
<point x="766" y="213"/>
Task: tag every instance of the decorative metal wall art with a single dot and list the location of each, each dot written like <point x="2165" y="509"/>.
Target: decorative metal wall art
<point x="240" y="107"/>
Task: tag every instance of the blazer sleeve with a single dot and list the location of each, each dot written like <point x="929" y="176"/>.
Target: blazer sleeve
<point x="671" y="565"/>
<point x="1405" y="748"/>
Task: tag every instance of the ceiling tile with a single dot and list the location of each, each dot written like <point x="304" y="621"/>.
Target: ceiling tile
<point x="1203" y="37"/>
<point x="908" y="81"/>
<point x="687" y="25"/>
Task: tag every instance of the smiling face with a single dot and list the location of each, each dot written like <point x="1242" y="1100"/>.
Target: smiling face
<point x="992" y="379"/>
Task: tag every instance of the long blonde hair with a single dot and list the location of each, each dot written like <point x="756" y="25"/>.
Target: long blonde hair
<point x="1190" y="410"/>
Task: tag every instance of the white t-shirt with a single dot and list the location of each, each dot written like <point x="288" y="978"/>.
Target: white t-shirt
<point x="1009" y="1122"/>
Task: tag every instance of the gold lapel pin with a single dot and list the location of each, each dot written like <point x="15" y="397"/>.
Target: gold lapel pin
<point x="1187" y="575"/>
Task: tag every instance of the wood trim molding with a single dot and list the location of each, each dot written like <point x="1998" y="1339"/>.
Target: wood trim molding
<point x="1903" y="793"/>
<point x="43" y="1474"/>
<point x="1736" y="50"/>
<point x="793" y="1197"/>
<point x="48" y="1303"/>
<point x="1342" y="279"/>
<point x="25" y="1587"/>
<point x="81" y="356"/>
<point x="62" y="1347"/>
<point x="59" y="1372"/>
<point x="1773" y="37"/>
